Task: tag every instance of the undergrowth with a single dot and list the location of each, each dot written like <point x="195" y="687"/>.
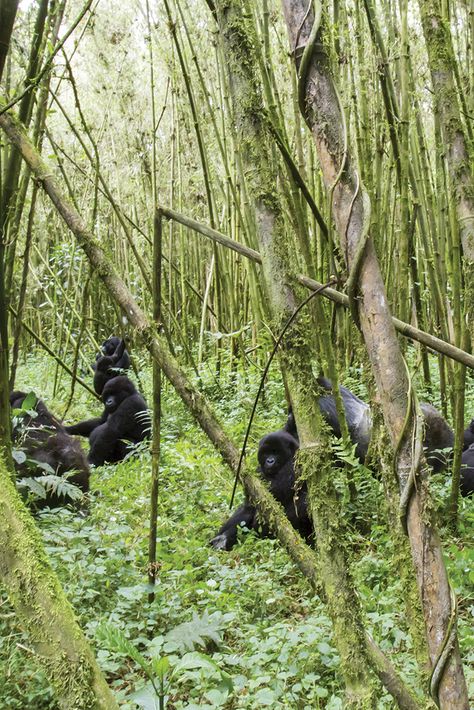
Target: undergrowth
<point x="237" y="630"/>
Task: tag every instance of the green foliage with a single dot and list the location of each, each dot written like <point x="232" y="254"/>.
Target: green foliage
<point x="233" y="630"/>
<point x="40" y="486"/>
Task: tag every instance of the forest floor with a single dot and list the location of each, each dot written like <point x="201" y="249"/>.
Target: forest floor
<point x="236" y="630"/>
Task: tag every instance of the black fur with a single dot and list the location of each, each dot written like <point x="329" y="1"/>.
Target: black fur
<point x="121" y="420"/>
<point x="276" y="454"/>
<point x="468" y="436"/>
<point x="106" y="367"/>
<point x="438" y="434"/>
<point x="44" y="439"/>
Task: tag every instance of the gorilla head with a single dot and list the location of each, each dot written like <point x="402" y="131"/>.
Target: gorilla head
<point x="116" y="391"/>
<point x="109" y="346"/>
<point x="276" y="452"/>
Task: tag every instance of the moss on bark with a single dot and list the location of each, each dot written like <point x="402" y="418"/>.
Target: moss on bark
<point x="43" y="609"/>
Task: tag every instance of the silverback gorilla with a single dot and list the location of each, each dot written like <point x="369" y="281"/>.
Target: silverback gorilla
<point x="45" y="441"/>
<point x="124" y="418"/>
<point x="276" y="453"/>
<point x="438" y="435"/>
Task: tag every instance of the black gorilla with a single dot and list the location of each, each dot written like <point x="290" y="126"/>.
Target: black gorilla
<point x="123" y="418"/>
<point x="115" y="358"/>
<point x="276" y="454"/>
<point x="437" y="435"/>
<point x="358" y="417"/>
<point x="44" y="440"/>
<point x="467" y="472"/>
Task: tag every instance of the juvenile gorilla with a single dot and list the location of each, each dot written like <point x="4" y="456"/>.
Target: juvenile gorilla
<point x="115" y="358"/>
<point x="437" y="436"/>
<point x="123" y="418"/>
<point x="45" y="440"/>
<point x="276" y="453"/>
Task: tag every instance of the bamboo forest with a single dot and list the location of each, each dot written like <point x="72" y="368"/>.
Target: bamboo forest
<point x="236" y="354"/>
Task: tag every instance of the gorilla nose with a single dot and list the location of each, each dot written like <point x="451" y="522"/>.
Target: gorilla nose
<point x="270" y="460"/>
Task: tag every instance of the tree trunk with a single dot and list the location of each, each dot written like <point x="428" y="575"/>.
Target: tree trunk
<point x="254" y="138"/>
<point x="441" y="61"/>
<point x="43" y="609"/>
<point x="351" y="210"/>
<point x="8" y="10"/>
<point x="7" y="18"/>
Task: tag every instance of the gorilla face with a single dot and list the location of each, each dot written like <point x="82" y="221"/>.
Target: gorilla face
<point x="275" y="452"/>
<point x="116" y="391"/>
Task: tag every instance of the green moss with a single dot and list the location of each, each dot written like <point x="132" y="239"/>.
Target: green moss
<point x="343" y="603"/>
<point x="42" y="607"/>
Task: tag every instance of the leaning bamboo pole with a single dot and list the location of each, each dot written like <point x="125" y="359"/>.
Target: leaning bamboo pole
<point x="409" y="331"/>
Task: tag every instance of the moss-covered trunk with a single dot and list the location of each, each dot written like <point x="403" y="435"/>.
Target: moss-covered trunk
<point x="351" y="209"/>
<point x="446" y="101"/>
<point x="43" y="609"/>
<point x="254" y="137"/>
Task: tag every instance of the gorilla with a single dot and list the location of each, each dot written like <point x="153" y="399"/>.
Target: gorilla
<point x="438" y="435"/>
<point x="276" y="454"/>
<point x="125" y="416"/>
<point x="466" y="486"/>
<point x="115" y="358"/>
<point x="45" y="441"/>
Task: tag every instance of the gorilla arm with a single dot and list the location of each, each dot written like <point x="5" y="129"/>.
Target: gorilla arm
<point x="86" y="427"/>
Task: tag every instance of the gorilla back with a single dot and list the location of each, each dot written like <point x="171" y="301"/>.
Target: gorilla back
<point x="438" y="435"/>
<point x="45" y="440"/>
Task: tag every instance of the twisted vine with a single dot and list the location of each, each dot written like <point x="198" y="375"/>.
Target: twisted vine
<point x="351" y="286"/>
<point x="303" y="70"/>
